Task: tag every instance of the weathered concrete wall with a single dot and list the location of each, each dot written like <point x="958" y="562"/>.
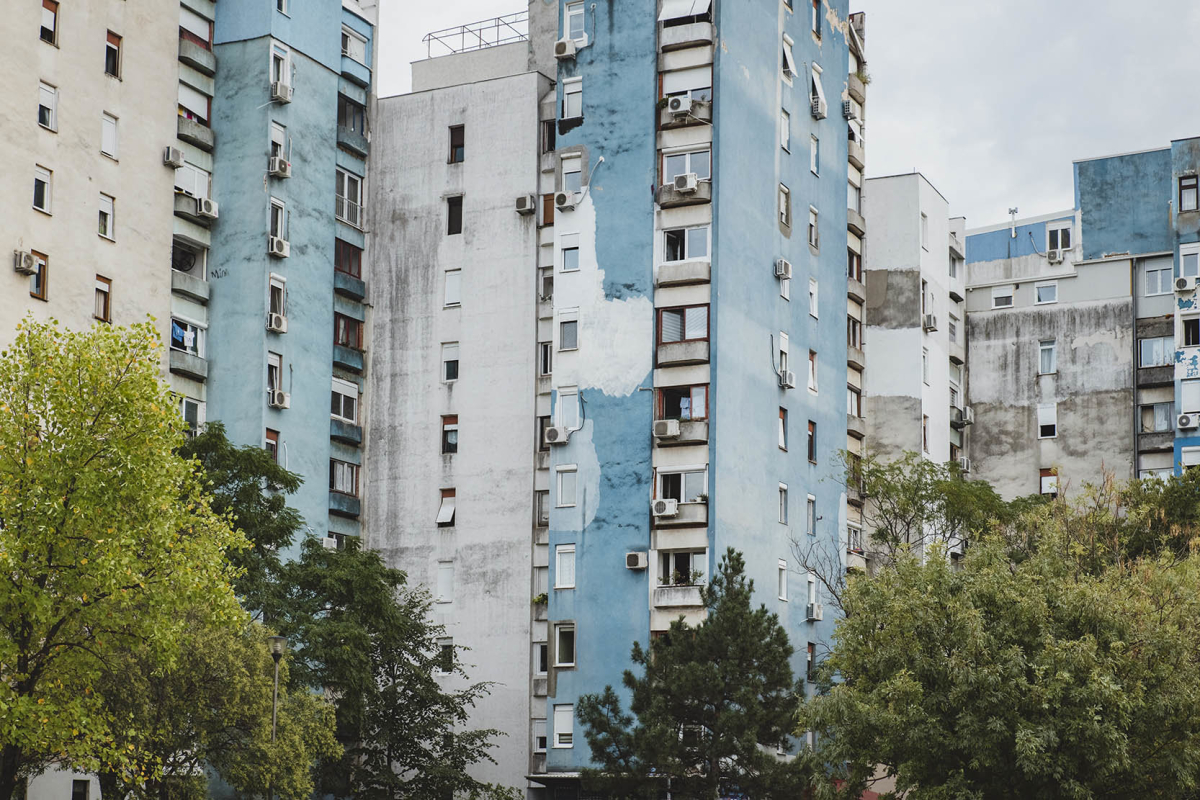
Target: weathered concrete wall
<point x="443" y="71"/>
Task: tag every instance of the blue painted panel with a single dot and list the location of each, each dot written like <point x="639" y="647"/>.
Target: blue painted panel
<point x="996" y="245"/>
<point x="1124" y="203"/>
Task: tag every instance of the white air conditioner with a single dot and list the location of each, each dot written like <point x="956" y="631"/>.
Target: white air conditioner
<point x="278" y="399"/>
<point x="783" y="269"/>
<point x="665" y="508"/>
<point x="820" y="109"/>
<point x="281" y="92"/>
<point x="23" y="262"/>
<point x="929" y="323"/>
<point x="279" y="167"/>
<point x="1187" y="421"/>
<point x="564" y="48"/>
<point x="557" y="435"/>
<point x="968" y="415"/>
<point x="679" y="105"/>
<point x="329" y="543"/>
<point x="172" y="157"/>
<point x="666" y="429"/>
<point x="636" y="560"/>
<point x="206" y="208"/>
<point x="1054" y="256"/>
<point x="526" y="204"/>
<point x="564" y="201"/>
<point x="686" y="183"/>
<point x="787" y="379"/>
<point x="277" y="323"/>
<point x="848" y="109"/>
<point x="1185" y="285"/>
<point x="814" y="612"/>
<point x="964" y="464"/>
<point x="279" y="248"/>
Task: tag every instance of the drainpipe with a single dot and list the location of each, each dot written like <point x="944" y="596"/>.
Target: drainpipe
<point x="1134" y="311"/>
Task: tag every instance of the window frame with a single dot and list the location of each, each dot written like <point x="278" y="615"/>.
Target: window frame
<point x="783" y="429"/>
<point x="1164" y="283"/>
<point x="50" y="6"/>
<point x="454" y="202"/>
<point x="660" y="405"/>
<point x="1037" y="292"/>
<point x="103" y="287"/>
<point x="687" y="240"/>
<point x="570" y="12"/>
<point x="458" y="152"/>
<point x="277" y="225"/>
<point x="46" y="178"/>
<point x="812" y="442"/>
<point x="564" y="739"/>
<point x="112" y="44"/>
<point x="563" y="326"/>
<point x="572" y="96"/>
<point x="348" y="331"/>
<point x="663" y="472"/>
<point x="1054" y="231"/>
<point x="1000" y="292"/>
<point x="447" y="507"/>
<point x="347" y="258"/>
<point x="559" y="472"/>
<point x="814" y="228"/>
<point x="454" y="349"/>
<point x="564" y="554"/>
<point x="1047" y="346"/>
<point x="813" y="298"/>
<point x="344" y="389"/>
<point x="452" y="288"/>
<point x="783" y="503"/>
<point x="813" y="371"/>
<point x="785" y="130"/>
<point x="781" y="580"/>
<point x="1047" y="411"/>
<point x="787" y="68"/>
<point x="40" y="276"/>
<point x="668" y="177"/>
<point x="449" y="443"/>
<point x="107" y="220"/>
<point x="814" y="155"/>
<point x="683" y="323"/>
<point x="1191" y="188"/>
<point x="339" y="471"/>
<point x="109" y="122"/>
<point x="44" y="90"/>
<point x="785" y="206"/>
<point x="348" y="208"/>
<point x="810" y="515"/>
<point x="349" y="34"/>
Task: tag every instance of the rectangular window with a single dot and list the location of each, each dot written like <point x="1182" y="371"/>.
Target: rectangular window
<point x="572" y="175"/>
<point x="193" y="105"/>
<point x="688" y="84"/>
<point x="1058" y="236"/>
<point x="810" y="517"/>
<point x="564" y="566"/>
<point x="788" y="60"/>
<point x="39" y="281"/>
<point x="810" y="662"/>
<point x="684" y="403"/>
<point x="568" y="408"/>
<point x="572" y="107"/>
<point x="1189" y="396"/>
<point x="112" y="55"/>
<point x="195" y="28"/>
<point x="195" y="182"/>
<point x="449" y="361"/>
<point x="568" y="334"/>
<point x="564" y="646"/>
<point x="445" y="594"/>
<point x="816" y="17"/>
<point x="573" y="25"/>
<point x="683" y="324"/>
<point x="812" y="297"/>
<point x="348" y="207"/>
<point x="453" y="295"/>
<point x="458" y="149"/>
<point x="347" y="258"/>
<point x="539" y="736"/>
<point x="446" y="507"/>
<point x="108" y="135"/>
<point x="1187" y="193"/>
<point x="449" y="434"/>
<point x="347" y="331"/>
<point x="343" y="477"/>
<point x="820" y="105"/>
<point x="281" y="6"/>
<point x="924" y="231"/>
<point x="781" y="580"/>
<point x="1047" y="414"/>
<point x="48" y="106"/>
<point x="814" y="236"/>
<point x="103" y="310"/>
<point x="682" y="567"/>
<point x="1157" y="417"/>
<point x="278" y="219"/>
<point x="570" y="259"/>
<point x="1191" y="331"/>
<point x="697" y="162"/>
<point x="280" y="72"/>
<point x="43" y="180"/>
<point x="785" y="130"/>
<point x="853" y="198"/>
<point x="107" y="222"/>
<point x="187" y="337"/>
<point x="549" y="135"/>
<point x="352" y="115"/>
<point x="812" y="371"/>
<point x="1189" y="260"/>
<point x="541" y="501"/>
<point x="566" y="477"/>
<point x="454" y="215"/>
<point x="814" y="155"/>
<point x="80" y="789"/>
<point x="50" y="24"/>
<point x="925" y="433"/>
<point x="952" y="327"/>
<point x="1158" y="280"/>
<point x="853" y="265"/>
<point x="354" y="45"/>
<point x="545" y="358"/>
<point x="1047" y="357"/>
<point x="684" y="485"/>
<point x="785" y="206"/>
<point x="274" y="372"/>
<point x="812" y="441"/>
<point x="1002" y="296"/>
<point x="1046" y="293"/>
<point x="1157" y="351"/>
<point x="783" y="428"/>
<point x="925" y="365"/>
<point x="783" y="503"/>
<point x="192" y="412"/>
<point x="853" y="332"/>
<point x="682" y="244"/>
<point x="445" y="658"/>
<point x="564" y="725"/>
<point x="1048" y="482"/>
<point x="343" y="401"/>
<point x="853" y="401"/>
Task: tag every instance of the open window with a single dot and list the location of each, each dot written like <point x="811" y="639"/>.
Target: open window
<point x="684" y="403"/>
<point x="789" y="61"/>
<point x="683" y="484"/>
<point x="684" y="12"/>
<point x="683" y="568"/>
<point x="445" y="515"/>
<point x="694" y="83"/>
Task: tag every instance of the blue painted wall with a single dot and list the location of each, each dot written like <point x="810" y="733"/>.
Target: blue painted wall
<point x="999" y="244"/>
<point x="1124" y="203"/>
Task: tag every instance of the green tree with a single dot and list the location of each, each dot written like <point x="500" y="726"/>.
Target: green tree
<point x="105" y="538"/>
<point x="709" y="709"/>
<point x="365" y="638"/>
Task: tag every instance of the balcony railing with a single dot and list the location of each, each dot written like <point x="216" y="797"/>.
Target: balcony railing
<point x="348" y="211"/>
<point x="479" y="35"/>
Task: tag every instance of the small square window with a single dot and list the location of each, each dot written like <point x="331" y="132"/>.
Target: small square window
<point x="570" y="259"/>
<point x="1058" y="236"/>
<point x="1046" y="293"/>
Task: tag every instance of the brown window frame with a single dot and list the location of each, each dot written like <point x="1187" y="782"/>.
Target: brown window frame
<point x="853" y="265"/>
<point x="1189" y="183"/>
<point x="812" y="442"/>
<point x="347" y="258"/>
<point x="271" y="443"/>
<point x="344" y="323"/>
<point x="52" y="7"/>
<point x="458" y="150"/>
<point x="547" y="210"/>
<point x="683" y="328"/>
<point x="660" y="408"/>
<point x="448" y="447"/>
<point x="857" y="392"/>
<point x="41" y="269"/>
<point x="113" y="41"/>
<point x="107" y="317"/>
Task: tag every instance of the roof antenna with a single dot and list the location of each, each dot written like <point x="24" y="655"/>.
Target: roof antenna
<point x="1012" y="212"/>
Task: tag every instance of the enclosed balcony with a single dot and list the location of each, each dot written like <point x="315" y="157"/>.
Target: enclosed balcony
<point x="678" y="354"/>
<point x="677" y="597"/>
<point x="668" y="196"/>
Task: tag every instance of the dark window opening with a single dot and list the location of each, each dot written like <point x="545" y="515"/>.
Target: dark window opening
<point x="347" y="258"/>
<point x="454" y="215"/>
<point x="683" y="403"/>
<point x="457" y="144"/>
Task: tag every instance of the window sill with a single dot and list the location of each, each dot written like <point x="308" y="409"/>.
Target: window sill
<point x="47" y="212"/>
<point x="47" y="128"/>
<point x="110" y="156"/>
<point x="107" y="238"/>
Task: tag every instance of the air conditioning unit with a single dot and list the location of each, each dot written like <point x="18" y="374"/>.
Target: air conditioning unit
<point x="557" y="435"/>
<point x="679" y="106"/>
<point x="565" y="201"/>
<point x="783" y="269"/>
<point x="172" y="157"/>
<point x="279" y="167"/>
<point x="23" y="262"/>
<point x="1054" y="256"/>
<point x="820" y="109"/>
<point x="666" y="429"/>
<point x="278" y="399"/>
<point x="929" y="323"/>
<point x="964" y="464"/>
<point x="279" y="248"/>
<point x="787" y="379"/>
<point x="686" y="183"/>
<point x="814" y="612"/>
<point x="665" y="508"/>
<point x="329" y="542"/>
<point x="1187" y="421"/>
<point x="526" y="204"/>
<point x="277" y="323"/>
<point x="636" y="560"/>
<point x="848" y="109"/>
<point x="1185" y="284"/>
<point x="281" y="92"/>
<point x="206" y="208"/>
<point x="968" y="415"/>
<point x="564" y="48"/>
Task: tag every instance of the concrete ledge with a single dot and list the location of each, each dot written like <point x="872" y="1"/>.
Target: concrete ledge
<point x="188" y="365"/>
<point x="185" y="206"/>
<point x="856" y="290"/>
<point x="681" y="273"/>
<point x="667" y="197"/>
<point x="677" y="597"/>
<point x="353" y="141"/>
<point x="855" y="357"/>
<point x="700" y="114"/>
<point x="346" y="432"/>
<point x="856" y="426"/>
<point x="343" y="505"/>
<point x="958" y="353"/>
<point x="1159" y="441"/>
<point x="956" y="247"/>
<point x="690" y="432"/>
<point x="677" y="37"/>
<point x="349" y="286"/>
<point x="858" y="89"/>
<point x="680" y="353"/>
<point x="197" y="57"/>
<point x="348" y="358"/>
<point x="856" y="155"/>
<point x="1156" y="376"/>
<point x="855" y="222"/>
<point x="194" y="133"/>
<point x="690" y="514"/>
<point x="189" y="285"/>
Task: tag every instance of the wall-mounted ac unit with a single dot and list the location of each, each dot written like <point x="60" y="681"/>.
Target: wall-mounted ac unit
<point x="557" y="435"/>
<point x="329" y="542"/>
<point x="964" y="464"/>
<point x="172" y="157"/>
<point x="279" y="167"/>
<point x="929" y="322"/>
<point x="277" y="323"/>
<point x="281" y="92"/>
<point x="636" y="560"/>
<point x="278" y="399"/>
<point x="23" y="262"/>
<point x="666" y="428"/>
<point x="1185" y="285"/>
<point x="1054" y="256"/>
<point x="968" y="415"/>
<point x="526" y="204"/>
<point x="814" y="612"/>
<point x="679" y="106"/>
<point x="1187" y="421"/>
<point x="665" y="508"/>
<point x="277" y="247"/>
<point x="565" y="201"/>
<point x="848" y="109"/>
<point x="686" y="183"/>
<point x="206" y="208"/>
<point x="820" y="109"/>
<point x="564" y="48"/>
<point x="783" y="269"/>
<point x="787" y="379"/>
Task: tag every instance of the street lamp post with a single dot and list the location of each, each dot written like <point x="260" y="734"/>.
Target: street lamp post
<point x="276" y="645"/>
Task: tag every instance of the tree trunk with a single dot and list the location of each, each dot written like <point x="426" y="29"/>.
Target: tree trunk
<point x="10" y="764"/>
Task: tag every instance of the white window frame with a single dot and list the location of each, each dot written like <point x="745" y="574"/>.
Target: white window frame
<point x="781" y="580"/>
<point x="354" y="45"/>
<point x="1189" y="254"/>
<point x="569" y="241"/>
<point x="818" y="92"/>
<point x="1048" y="346"/>
<point x="345" y="389"/>
<point x="564" y="555"/>
<point x="570" y="11"/>
<point x="572" y="96"/>
<point x="275" y="366"/>
<point x="785" y="130"/>
<point x="1047" y="414"/>
<point x="687" y="243"/>
<point x="540" y="741"/>
<point x="563" y="320"/>
<point x="449" y="348"/>
<point x="783" y="504"/>
<point x="279" y="139"/>
<point x="559" y="498"/>
<point x="281" y="231"/>
<point x="452" y="296"/>
<point x="280" y="64"/>
<point x="814" y="155"/>
<point x="813" y="302"/>
<point x="564" y="726"/>
<point x="999" y="292"/>
<point x="788" y="66"/>
<point x="348" y="208"/>
<point x="197" y="329"/>
<point x="201" y="410"/>
<point x="1164" y="286"/>
<point x="193" y="181"/>
<point x="109" y="135"/>
<point x="559" y="630"/>
<point x="688" y="156"/>
<point x="813" y="369"/>
<point x="568" y="397"/>
<point x="686" y="470"/>
<point x="447" y="506"/>
<point x="1037" y="292"/>
<point x="785" y="205"/>
<point x="345" y="473"/>
<point x="445" y="582"/>
<point x="1189" y="396"/>
<point x="1058" y="227"/>
<point x="925" y="365"/>
<point x="46" y="176"/>
<point x="810" y="515"/>
<point x="108" y="205"/>
<point x="48" y="99"/>
<point x="814" y="230"/>
<point x="572" y="164"/>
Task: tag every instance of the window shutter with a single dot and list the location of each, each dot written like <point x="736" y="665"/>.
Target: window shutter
<point x="194" y="101"/>
<point x="672" y="326"/>
<point x="697" y="323"/>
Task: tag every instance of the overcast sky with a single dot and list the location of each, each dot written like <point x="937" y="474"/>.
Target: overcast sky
<point x="990" y="100"/>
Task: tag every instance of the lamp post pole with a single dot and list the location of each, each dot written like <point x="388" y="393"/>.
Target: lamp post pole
<point x="276" y="644"/>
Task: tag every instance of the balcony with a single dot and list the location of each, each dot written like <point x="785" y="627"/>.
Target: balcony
<point x="677" y="37"/>
<point x="690" y="432"/>
<point x="345" y="432"/>
<point x="699" y="113"/>
<point x="856" y="290"/>
<point x="189" y="286"/>
<point x="348" y="358"/>
<point x="344" y="505"/>
<point x="678" y="354"/>
<point x="956" y="247"/>
<point x="188" y="365"/>
<point x="682" y="273"/>
<point x="958" y="353"/>
<point x="856" y="154"/>
<point x="197" y="57"/>
<point x="677" y="597"/>
<point x="689" y="515"/>
<point x="352" y="140"/>
<point x="858" y="89"/>
<point x="193" y="132"/>
<point x="855" y="357"/>
<point x="349" y="286"/>
<point x="855" y="495"/>
<point x="1156" y="376"/>
<point x="185" y="206"/>
<point x="356" y="72"/>
<point x="668" y="196"/>
<point x="856" y="426"/>
<point x="1158" y="441"/>
<point x="855" y="222"/>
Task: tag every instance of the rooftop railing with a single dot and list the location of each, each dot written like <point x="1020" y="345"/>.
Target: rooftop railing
<point x="479" y="35"/>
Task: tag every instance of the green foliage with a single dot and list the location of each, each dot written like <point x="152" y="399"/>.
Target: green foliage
<point x="712" y="704"/>
<point x="105" y="538"/>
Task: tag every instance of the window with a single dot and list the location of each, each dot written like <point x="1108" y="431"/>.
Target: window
<point x="810" y="517"/>
<point x="785" y="130"/>
<point x="925" y="298"/>
<point x="690" y="84"/>
<point x="1157" y="351"/>
<point x="853" y="198"/>
<point x="785" y="206"/>
<point x="50" y="25"/>
<point x="108" y="135"/>
<point x="449" y="434"/>
<point x="347" y="331"/>
<point x="280" y="69"/>
<point x="107" y="223"/>
<point x="573" y="22"/>
<point x="783" y="353"/>
<point x="541" y="499"/>
<point x="278" y="219"/>
<point x="192" y="412"/>
<point x="682" y="324"/>
<point x="812" y="441"/>
<point x="572" y="175"/>
<point x="676" y="164"/>
<point x="817" y="94"/>
<point x="566" y="477"/>
<point x="568" y="408"/>
<point x="542" y="424"/>
<point x="568" y="334"/>
<point x="1191" y="331"/>
<point x="549" y="135"/>
<point x="281" y="6"/>
<point x="457" y="144"/>
<point x="1046" y="293"/>
<point x="80" y="789"/>
<point x="274" y="373"/>
<point x="445" y="515"/>
<point x="454" y="215"/>
<point x="572" y="107"/>
<point x="854" y="401"/>
<point x="684" y="403"/>
<point x="814" y="237"/>
<point x="952" y="328"/>
<point x="347" y="258"/>
<point x="816" y="17"/>
<point x="789" y="61"/>
<point x="1187" y="193"/>
<point x="783" y="503"/>
<point x="195" y="28"/>
<point x="193" y="105"/>
<point x="343" y="401"/>
<point x="682" y="244"/>
<point x="112" y="55"/>
<point x="343" y="477"/>
<point x="1158" y="279"/>
<point x="1157" y="417"/>
<point x="1047" y="417"/>
<point x="449" y="361"/>
<point x="187" y="337"/>
<point x="570" y="259"/>
<point x="352" y="115"/>
<point x="853" y="265"/>
<point x="564" y="566"/>
<point x="954" y="403"/>
<point x="1047" y="357"/>
<point x="781" y="580"/>
<point x="453" y="288"/>
<point x="564" y="725"/>
<point x="925" y="433"/>
<point x="271" y="443"/>
<point x="683" y="485"/>
<point x="103" y="310"/>
<point x="1048" y="482"/>
<point x="812" y="297"/>
<point x="42" y="182"/>
<point x="783" y="428"/>
<point x="682" y="567"/>
<point x="39" y="281"/>
<point x="445" y="594"/>
<point x="48" y="106"/>
<point x="814" y="155"/>
<point x="810" y="663"/>
<point x="1189" y="260"/>
<point x="924" y="231"/>
<point x="925" y="365"/>
<point x="445" y="659"/>
<point x="812" y="371"/>
<point x="193" y="181"/>
<point x="539" y="736"/>
<point x="349" y="198"/>
<point x="1002" y="296"/>
<point x="354" y="45"/>
<point x="1189" y="396"/>
<point x="1058" y="236"/>
<point x="545" y="358"/>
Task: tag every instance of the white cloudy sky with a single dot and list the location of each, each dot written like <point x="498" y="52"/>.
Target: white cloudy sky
<point x="990" y="99"/>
